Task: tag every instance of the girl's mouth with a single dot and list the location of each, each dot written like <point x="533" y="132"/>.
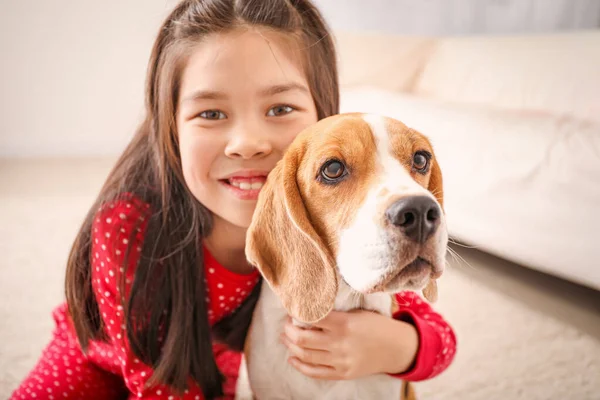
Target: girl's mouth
<point x="253" y="183"/>
<point x="244" y="188"/>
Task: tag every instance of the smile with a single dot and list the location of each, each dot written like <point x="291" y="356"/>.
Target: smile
<point x="244" y="187"/>
<point x="247" y="183"/>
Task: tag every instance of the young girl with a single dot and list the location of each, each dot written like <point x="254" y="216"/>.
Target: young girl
<point x="159" y="293"/>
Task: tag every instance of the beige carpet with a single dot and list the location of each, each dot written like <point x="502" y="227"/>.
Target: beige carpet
<point x="522" y="335"/>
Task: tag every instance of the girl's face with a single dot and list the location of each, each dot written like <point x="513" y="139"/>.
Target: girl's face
<point x="243" y="99"/>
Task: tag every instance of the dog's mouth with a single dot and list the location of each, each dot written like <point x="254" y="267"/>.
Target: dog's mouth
<point x="417" y="268"/>
<point x="411" y="276"/>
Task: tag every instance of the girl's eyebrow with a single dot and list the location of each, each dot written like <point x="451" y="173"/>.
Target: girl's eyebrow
<point x="202" y="94"/>
<point x="285" y="87"/>
<point x="205" y="95"/>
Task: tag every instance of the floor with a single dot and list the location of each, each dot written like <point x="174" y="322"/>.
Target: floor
<point x="521" y="334"/>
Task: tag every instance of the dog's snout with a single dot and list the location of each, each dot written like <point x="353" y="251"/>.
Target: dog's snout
<point x="417" y="216"/>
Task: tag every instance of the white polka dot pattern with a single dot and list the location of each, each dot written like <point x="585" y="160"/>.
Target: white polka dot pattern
<point x="64" y="372"/>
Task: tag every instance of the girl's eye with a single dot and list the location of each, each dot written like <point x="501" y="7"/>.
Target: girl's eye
<point x="280" y="110"/>
<point x="212" y="114"/>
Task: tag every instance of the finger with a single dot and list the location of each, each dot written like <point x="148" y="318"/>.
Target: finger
<point x="314" y="371"/>
<point x="308" y="356"/>
<point x="332" y="321"/>
<point x="289" y="320"/>
<point x="306" y="338"/>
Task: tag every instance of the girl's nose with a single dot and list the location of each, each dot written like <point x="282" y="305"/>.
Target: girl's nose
<point x="248" y="145"/>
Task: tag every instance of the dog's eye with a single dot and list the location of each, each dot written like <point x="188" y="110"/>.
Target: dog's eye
<point x="421" y="161"/>
<point x="333" y="170"/>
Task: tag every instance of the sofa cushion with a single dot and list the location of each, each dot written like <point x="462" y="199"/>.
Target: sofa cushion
<point x="386" y="61"/>
<point x="521" y="185"/>
<point x="558" y="73"/>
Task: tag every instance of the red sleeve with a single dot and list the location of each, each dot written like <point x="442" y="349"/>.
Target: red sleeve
<point x="116" y="226"/>
<point x="437" y="341"/>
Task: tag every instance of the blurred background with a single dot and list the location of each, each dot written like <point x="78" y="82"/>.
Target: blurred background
<point x="507" y="90"/>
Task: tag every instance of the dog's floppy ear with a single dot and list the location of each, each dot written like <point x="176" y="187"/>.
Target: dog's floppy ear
<point x="430" y="291"/>
<point x="436" y="188"/>
<point x="282" y="243"/>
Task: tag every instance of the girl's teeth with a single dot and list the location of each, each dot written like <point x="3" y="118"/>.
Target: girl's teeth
<point x="247" y="185"/>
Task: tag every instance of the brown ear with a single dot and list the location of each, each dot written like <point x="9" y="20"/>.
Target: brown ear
<point x="283" y="245"/>
<point x="436" y="188"/>
<point x="430" y="292"/>
<point x="407" y="393"/>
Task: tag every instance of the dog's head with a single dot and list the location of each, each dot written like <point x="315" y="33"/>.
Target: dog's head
<point x="356" y="197"/>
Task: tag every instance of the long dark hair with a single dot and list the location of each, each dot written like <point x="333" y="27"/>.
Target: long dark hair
<point x="178" y="343"/>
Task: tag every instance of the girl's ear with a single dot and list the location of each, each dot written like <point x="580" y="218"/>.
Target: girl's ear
<point x="284" y="246"/>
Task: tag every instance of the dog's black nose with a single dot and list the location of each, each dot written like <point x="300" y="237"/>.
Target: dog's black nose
<point x="417" y="216"/>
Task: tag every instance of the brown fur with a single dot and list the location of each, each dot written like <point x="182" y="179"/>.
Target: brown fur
<point x="306" y="285"/>
<point x="333" y="208"/>
<point x="408" y="393"/>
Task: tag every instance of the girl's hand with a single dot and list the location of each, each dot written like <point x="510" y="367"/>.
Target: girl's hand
<point x="350" y="345"/>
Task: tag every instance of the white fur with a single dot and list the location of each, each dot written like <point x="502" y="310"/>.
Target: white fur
<point x="394" y="177"/>
<point x="242" y="385"/>
<point x="363" y="253"/>
<point x="273" y="378"/>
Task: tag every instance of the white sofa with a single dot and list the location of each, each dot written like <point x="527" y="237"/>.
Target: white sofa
<point x="515" y="121"/>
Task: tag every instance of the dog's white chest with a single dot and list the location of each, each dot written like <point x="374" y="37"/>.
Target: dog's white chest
<point x="272" y="377"/>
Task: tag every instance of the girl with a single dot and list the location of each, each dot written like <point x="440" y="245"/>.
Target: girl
<point x="159" y="293"/>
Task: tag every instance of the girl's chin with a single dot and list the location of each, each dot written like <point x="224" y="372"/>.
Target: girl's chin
<point x="240" y="219"/>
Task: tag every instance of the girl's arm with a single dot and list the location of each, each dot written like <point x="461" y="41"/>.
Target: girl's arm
<point x="437" y="341"/>
<point x="416" y="344"/>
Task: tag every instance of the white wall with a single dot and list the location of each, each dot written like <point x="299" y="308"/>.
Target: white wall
<point x="72" y="74"/>
<point x="459" y="17"/>
<point x="72" y="71"/>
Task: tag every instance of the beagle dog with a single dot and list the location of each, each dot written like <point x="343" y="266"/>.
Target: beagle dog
<point x="351" y="215"/>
